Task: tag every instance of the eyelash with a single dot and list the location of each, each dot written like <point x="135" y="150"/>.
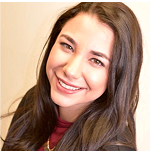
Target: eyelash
<point x="94" y="60"/>
<point x="67" y="46"/>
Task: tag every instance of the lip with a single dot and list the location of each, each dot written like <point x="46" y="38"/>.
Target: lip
<point x="67" y="83"/>
<point x="67" y="91"/>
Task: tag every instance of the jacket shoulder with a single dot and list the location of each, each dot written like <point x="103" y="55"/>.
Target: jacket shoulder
<point x="118" y="148"/>
<point x="25" y="103"/>
<point x="27" y="100"/>
<point x="121" y="138"/>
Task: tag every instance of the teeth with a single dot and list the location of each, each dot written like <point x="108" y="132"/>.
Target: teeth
<point x="67" y="86"/>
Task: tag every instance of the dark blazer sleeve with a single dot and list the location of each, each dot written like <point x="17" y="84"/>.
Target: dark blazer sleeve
<point x="26" y="100"/>
<point x="120" y="137"/>
<point x="119" y="148"/>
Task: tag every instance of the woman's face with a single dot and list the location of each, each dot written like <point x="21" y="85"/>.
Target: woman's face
<point x="78" y="64"/>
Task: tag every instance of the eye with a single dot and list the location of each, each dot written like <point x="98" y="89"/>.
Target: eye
<point x="97" y="62"/>
<point x="67" y="46"/>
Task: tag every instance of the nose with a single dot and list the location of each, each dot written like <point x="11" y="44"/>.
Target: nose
<point x="73" y="68"/>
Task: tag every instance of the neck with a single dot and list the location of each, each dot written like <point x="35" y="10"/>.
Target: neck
<point x="70" y="114"/>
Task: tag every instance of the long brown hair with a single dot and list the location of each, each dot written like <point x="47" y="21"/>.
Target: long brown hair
<point x="110" y="115"/>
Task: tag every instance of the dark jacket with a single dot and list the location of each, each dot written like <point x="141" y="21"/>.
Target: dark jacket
<point x="24" y="102"/>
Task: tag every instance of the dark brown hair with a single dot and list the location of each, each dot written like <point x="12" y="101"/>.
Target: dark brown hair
<point x="109" y="116"/>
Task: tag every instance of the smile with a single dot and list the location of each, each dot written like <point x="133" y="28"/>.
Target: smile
<point x="67" y="86"/>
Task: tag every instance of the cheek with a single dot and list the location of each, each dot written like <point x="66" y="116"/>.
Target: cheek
<point x="53" y="58"/>
<point x="98" y="80"/>
<point x="51" y="61"/>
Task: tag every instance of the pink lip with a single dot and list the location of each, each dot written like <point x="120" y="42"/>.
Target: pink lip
<point x="64" y="90"/>
<point x="68" y="83"/>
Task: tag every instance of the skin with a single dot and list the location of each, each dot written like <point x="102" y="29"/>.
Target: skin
<point x="80" y="58"/>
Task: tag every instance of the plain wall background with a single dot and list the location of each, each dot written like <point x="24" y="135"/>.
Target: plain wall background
<point x="24" y="30"/>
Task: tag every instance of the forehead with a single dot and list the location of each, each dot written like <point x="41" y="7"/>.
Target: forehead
<point x="88" y="31"/>
<point x="89" y="23"/>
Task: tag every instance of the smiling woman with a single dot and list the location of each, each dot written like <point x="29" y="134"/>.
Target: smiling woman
<point x="78" y="50"/>
<point x="87" y="88"/>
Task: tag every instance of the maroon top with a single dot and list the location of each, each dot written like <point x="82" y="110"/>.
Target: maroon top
<point x="59" y="131"/>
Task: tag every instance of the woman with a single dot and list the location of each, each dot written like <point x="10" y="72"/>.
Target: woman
<point x="87" y="91"/>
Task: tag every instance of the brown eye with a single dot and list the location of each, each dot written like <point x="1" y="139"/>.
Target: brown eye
<point x="67" y="46"/>
<point x="97" y="62"/>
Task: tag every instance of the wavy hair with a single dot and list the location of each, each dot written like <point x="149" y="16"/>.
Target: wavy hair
<point x="108" y="117"/>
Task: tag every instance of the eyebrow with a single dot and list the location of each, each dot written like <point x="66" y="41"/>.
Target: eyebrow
<point x="100" y="54"/>
<point x="69" y="39"/>
<point x="96" y="53"/>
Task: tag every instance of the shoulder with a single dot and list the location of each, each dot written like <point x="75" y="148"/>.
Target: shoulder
<point x="125" y="138"/>
<point x="25" y="103"/>
<point x="29" y="95"/>
<point x="118" y="148"/>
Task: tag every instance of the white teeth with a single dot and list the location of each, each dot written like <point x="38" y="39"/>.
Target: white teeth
<point x="67" y="86"/>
